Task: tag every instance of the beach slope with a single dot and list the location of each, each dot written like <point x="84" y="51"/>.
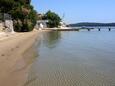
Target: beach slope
<point x="13" y="64"/>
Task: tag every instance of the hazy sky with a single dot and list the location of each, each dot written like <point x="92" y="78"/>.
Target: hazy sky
<point x="79" y="10"/>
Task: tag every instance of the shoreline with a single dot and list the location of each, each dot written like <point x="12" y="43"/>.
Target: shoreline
<point x="16" y="56"/>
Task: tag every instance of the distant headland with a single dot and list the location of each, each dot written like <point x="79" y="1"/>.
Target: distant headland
<point x="90" y="24"/>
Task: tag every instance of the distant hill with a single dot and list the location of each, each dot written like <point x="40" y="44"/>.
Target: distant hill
<point x="91" y="24"/>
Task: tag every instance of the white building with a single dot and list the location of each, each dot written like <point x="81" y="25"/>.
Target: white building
<point x="62" y="25"/>
<point x="41" y="24"/>
<point x="7" y="24"/>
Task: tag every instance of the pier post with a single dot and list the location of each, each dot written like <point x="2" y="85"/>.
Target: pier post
<point x="99" y="29"/>
<point x="88" y="29"/>
<point x="109" y="29"/>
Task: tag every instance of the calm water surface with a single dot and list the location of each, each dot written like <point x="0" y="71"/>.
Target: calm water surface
<point x="74" y="59"/>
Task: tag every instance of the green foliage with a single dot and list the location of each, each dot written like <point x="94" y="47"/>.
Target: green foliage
<point x="17" y="27"/>
<point x="1" y="16"/>
<point x="17" y="14"/>
<point x="6" y="5"/>
<point x="53" y="19"/>
<point x="33" y="16"/>
<point x="23" y="14"/>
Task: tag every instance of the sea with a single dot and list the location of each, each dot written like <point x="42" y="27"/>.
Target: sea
<point x="74" y="58"/>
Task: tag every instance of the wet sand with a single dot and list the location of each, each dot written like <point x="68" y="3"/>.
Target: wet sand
<point x="16" y="56"/>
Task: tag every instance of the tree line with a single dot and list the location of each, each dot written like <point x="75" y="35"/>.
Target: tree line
<point x="24" y="16"/>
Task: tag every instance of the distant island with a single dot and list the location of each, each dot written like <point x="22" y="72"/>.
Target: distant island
<point x="90" y="24"/>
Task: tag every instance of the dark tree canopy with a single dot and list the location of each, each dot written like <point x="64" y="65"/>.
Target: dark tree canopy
<point x="23" y="14"/>
<point x="6" y="5"/>
<point x="53" y="18"/>
<point x="24" y="1"/>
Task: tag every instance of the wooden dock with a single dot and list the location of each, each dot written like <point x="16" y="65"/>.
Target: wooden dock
<point x="63" y="29"/>
<point x="76" y="29"/>
<point x="67" y="29"/>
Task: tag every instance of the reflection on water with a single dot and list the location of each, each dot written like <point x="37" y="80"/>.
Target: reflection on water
<point x="74" y="59"/>
<point x="51" y="39"/>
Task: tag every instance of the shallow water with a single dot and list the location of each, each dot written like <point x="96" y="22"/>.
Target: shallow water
<point x="74" y="59"/>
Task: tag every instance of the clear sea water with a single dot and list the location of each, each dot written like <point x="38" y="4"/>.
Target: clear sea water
<point x="84" y="58"/>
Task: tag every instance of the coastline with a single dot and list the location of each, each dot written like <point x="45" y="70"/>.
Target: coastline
<point x="16" y="56"/>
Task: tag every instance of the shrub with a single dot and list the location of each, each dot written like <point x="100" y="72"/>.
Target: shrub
<point x="23" y="14"/>
<point x="53" y="18"/>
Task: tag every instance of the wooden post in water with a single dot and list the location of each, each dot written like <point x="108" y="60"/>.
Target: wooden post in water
<point x="109" y="29"/>
<point x="88" y="29"/>
<point x="99" y="29"/>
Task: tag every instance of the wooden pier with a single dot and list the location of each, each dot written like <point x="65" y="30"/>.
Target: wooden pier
<point x="63" y="29"/>
<point x="76" y="29"/>
<point x="99" y="29"/>
<point x="67" y="29"/>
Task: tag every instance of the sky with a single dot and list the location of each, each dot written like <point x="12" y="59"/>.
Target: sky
<point x="75" y="11"/>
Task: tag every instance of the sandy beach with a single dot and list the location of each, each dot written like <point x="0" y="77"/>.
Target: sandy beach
<point x="16" y="56"/>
